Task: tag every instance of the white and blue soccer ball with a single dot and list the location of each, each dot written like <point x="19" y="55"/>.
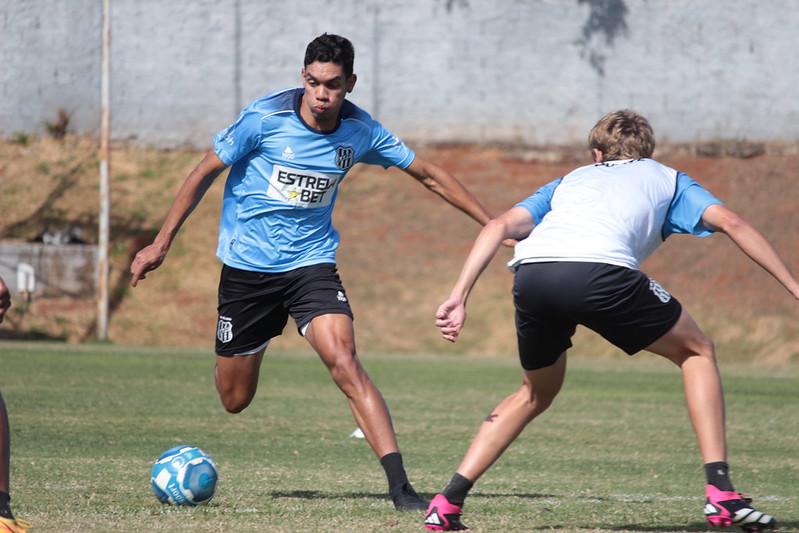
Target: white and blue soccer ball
<point x="184" y="475"/>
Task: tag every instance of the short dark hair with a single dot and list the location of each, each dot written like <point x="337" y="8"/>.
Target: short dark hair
<point x="622" y="134"/>
<point x="330" y="48"/>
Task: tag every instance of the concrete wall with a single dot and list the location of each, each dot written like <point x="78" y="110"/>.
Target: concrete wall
<point x="57" y="271"/>
<point x="529" y="71"/>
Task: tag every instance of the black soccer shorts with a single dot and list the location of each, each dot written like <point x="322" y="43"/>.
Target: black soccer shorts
<point x="623" y="305"/>
<point x="254" y="306"/>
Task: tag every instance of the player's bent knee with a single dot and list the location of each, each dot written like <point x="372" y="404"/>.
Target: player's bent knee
<point x="352" y="379"/>
<point x="709" y="347"/>
<point x="536" y="400"/>
<point x="235" y="407"/>
<point x="235" y="402"/>
<point x="540" y="403"/>
<point x="344" y="366"/>
<point x="702" y="345"/>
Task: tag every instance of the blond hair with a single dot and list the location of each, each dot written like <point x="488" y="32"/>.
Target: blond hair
<point x="622" y="134"/>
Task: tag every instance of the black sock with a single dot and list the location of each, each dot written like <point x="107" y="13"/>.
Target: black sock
<point x="457" y="489"/>
<point x="395" y="470"/>
<point x="717" y="475"/>
<point x="5" y="505"/>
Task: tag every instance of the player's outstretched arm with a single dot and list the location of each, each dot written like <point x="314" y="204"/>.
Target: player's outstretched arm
<point x="752" y="243"/>
<point x="447" y="187"/>
<point x="514" y="224"/>
<point x="188" y="197"/>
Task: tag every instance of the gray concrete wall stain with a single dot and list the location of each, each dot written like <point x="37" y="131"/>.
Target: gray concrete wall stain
<point x="519" y="71"/>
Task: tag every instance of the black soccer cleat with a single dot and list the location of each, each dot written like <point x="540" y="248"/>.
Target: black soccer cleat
<point x="406" y="499"/>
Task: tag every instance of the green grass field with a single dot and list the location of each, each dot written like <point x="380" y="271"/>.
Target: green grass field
<point x="614" y="453"/>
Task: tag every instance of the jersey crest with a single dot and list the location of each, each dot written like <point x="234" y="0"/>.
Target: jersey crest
<point x="345" y="157"/>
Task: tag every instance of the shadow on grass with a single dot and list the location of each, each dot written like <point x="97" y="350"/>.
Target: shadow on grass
<point x="690" y="528"/>
<point x="694" y="527"/>
<point x="13" y="335"/>
<point x="782" y="527"/>
<point x="320" y="495"/>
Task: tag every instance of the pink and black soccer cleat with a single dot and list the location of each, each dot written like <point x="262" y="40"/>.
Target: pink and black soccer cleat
<point x="443" y="516"/>
<point x="725" y="508"/>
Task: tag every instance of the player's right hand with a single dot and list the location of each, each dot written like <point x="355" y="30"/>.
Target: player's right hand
<point x="450" y="317"/>
<point x="148" y="259"/>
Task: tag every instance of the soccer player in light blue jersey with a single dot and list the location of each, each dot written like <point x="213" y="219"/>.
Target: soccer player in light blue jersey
<point x="288" y="153"/>
<point x="582" y="239"/>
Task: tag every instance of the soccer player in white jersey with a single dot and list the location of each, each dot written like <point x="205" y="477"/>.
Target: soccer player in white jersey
<point x="582" y="239"/>
<point x="288" y="152"/>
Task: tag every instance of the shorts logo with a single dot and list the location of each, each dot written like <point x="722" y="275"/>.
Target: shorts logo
<point x="224" y="329"/>
<point x="340" y="296"/>
<point x="345" y="157"/>
<point x="659" y="291"/>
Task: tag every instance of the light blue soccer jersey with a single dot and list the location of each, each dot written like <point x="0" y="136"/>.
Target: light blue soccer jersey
<point x="616" y="212"/>
<point x="284" y="178"/>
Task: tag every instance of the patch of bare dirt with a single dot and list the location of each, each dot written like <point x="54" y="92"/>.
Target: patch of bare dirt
<point x="401" y="246"/>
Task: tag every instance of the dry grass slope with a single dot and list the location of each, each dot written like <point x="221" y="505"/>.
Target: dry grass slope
<point x="401" y="247"/>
